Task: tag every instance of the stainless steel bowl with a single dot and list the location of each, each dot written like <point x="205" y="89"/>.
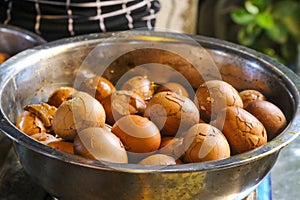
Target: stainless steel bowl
<point x="34" y="73"/>
<point x="12" y="41"/>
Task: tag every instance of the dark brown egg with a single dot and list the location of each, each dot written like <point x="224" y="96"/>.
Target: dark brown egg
<point x="98" y="87"/>
<point x="269" y="115"/>
<point x="60" y="95"/>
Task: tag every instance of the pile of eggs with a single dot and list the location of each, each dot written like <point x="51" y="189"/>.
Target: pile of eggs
<point x="152" y="124"/>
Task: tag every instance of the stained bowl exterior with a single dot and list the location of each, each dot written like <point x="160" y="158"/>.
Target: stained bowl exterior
<point x="34" y="73"/>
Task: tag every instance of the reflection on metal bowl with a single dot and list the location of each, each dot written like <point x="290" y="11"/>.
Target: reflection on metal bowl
<point x="12" y="41"/>
<point x="65" y="62"/>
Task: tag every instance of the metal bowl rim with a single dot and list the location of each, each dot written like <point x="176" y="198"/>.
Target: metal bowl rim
<point x="20" y="31"/>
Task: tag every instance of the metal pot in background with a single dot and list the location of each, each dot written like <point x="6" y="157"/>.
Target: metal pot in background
<point x="13" y="40"/>
<point x="67" y="176"/>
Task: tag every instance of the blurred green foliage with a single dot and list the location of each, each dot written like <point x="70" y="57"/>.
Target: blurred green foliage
<point x="271" y="27"/>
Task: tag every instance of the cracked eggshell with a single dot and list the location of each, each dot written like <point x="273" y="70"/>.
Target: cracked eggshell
<point x="214" y="95"/>
<point x="122" y="103"/>
<point x="44" y="138"/>
<point x="100" y="144"/>
<point x="158" y="159"/>
<point x="30" y="124"/>
<point x="269" y="115"/>
<point x="204" y="142"/>
<point x="77" y="113"/>
<point x="250" y="95"/>
<point x="137" y="133"/>
<point x="172" y="113"/>
<point x="243" y="130"/>
<point x="141" y="85"/>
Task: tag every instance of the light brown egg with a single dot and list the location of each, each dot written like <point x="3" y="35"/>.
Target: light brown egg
<point x="137" y="133"/>
<point x="204" y="142"/>
<point x="172" y="113"/>
<point x="122" y="103"/>
<point x="243" y="130"/>
<point x="62" y="145"/>
<point x="100" y="144"/>
<point x="269" y="115"/>
<point x="30" y="124"/>
<point x="141" y="85"/>
<point x="78" y="113"/>
<point x="214" y="95"/>
<point x="248" y="96"/>
<point x="60" y="95"/>
<point x="158" y="159"/>
<point x="174" y="87"/>
<point x="98" y="87"/>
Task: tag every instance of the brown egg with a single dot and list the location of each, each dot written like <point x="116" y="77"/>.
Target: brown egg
<point x="137" y="133"/>
<point x="100" y="144"/>
<point x="172" y="113"/>
<point x="172" y="146"/>
<point x="98" y="87"/>
<point x="60" y="95"/>
<point x="61" y="145"/>
<point x="141" y="85"/>
<point x="122" y="103"/>
<point x="78" y="113"/>
<point x="243" y="130"/>
<point x="269" y="115"/>
<point x="44" y="111"/>
<point x="214" y="95"/>
<point x="30" y="124"/>
<point x="174" y="87"/>
<point x="204" y="142"/>
<point x="158" y="159"/>
<point x="248" y="96"/>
